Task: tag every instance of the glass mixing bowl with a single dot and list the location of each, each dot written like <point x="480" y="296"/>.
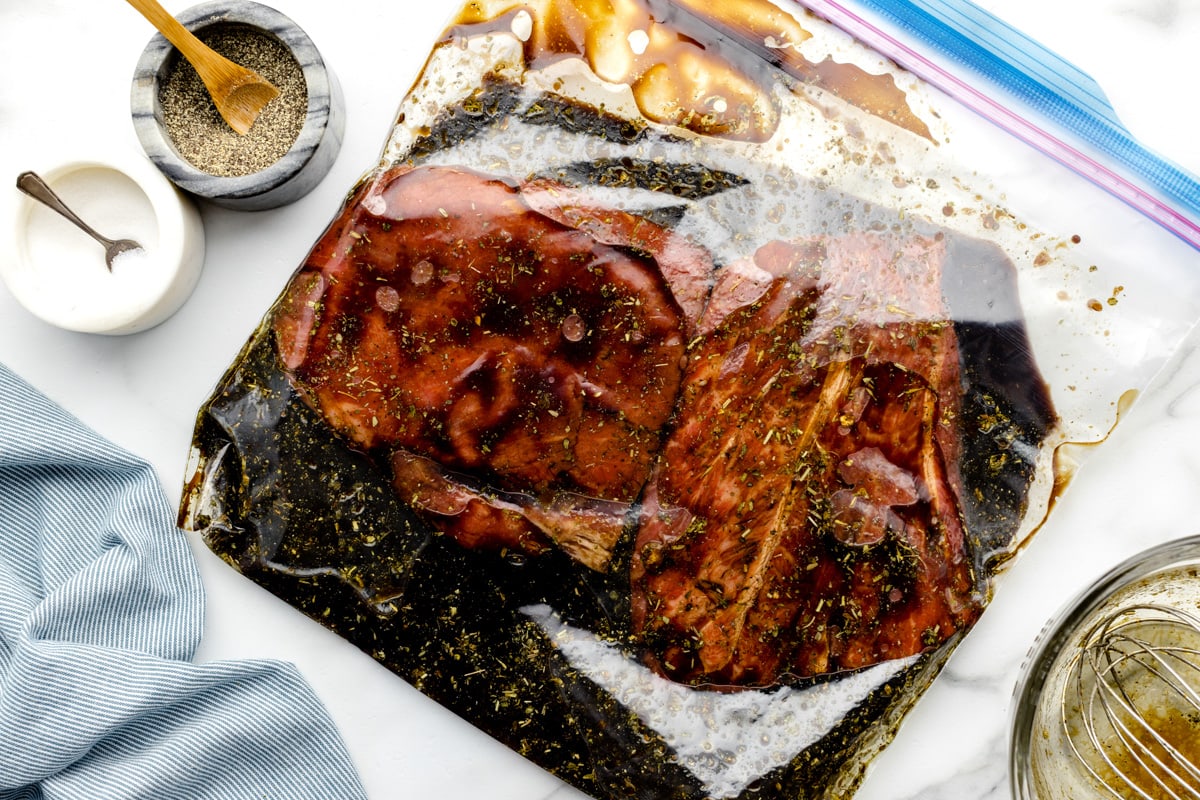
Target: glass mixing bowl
<point x="1118" y="634"/>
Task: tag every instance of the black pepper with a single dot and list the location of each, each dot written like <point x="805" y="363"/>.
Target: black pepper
<point x="196" y="128"/>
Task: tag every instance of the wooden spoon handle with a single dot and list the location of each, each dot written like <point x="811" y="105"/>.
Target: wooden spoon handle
<point x="194" y="50"/>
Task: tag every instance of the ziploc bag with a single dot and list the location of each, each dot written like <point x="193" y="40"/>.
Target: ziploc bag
<point x="667" y="397"/>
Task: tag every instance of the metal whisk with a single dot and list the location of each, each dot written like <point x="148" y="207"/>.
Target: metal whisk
<point x="1131" y="710"/>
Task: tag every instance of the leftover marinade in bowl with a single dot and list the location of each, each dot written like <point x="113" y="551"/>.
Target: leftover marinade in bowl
<point x="674" y="466"/>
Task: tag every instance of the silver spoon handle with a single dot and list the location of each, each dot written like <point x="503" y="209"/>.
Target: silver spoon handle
<point x="32" y="184"/>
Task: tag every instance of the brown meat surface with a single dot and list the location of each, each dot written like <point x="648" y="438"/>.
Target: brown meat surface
<point x="804" y="517"/>
<point x="516" y="358"/>
<point x="513" y="355"/>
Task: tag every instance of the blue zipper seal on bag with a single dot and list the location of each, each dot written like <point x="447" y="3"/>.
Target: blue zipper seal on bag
<point x="978" y="39"/>
<point x="1046" y="83"/>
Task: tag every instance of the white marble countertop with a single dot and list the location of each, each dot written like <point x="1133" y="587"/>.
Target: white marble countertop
<point x="68" y="65"/>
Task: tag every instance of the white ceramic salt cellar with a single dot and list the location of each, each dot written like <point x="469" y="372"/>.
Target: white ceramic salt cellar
<point x="285" y="180"/>
<point x="59" y="273"/>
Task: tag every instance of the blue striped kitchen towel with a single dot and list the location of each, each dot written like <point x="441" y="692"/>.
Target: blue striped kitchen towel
<point x="101" y="609"/>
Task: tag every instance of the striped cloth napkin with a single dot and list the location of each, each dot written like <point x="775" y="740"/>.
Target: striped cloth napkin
<point x="101" y="609"/>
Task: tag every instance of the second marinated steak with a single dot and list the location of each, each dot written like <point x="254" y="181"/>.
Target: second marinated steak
<point x="804" y="516"/>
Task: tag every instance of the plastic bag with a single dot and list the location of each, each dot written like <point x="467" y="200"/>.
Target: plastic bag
<point x="667" y="398"/>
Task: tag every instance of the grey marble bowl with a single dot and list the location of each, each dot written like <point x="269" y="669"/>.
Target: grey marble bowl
<point x="299" y="170"/>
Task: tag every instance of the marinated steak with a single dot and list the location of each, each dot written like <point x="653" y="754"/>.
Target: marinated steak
<point x="512" y="355"/>
<point x="517" y="358"/>
<point x="804" y="517"/>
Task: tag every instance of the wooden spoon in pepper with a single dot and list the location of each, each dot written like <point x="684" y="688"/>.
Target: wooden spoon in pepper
<point x="240" y="94"/>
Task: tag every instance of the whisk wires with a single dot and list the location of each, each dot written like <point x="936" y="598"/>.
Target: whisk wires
<point x="1131" y="712"/>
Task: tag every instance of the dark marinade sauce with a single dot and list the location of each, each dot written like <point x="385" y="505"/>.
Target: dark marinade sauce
<point x="318" y="525"/>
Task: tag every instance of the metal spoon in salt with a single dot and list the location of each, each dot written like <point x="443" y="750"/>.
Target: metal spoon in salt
<point x="32" y="184"/>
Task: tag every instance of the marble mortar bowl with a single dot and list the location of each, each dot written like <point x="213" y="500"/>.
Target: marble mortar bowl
<point x="288" y="179"/>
